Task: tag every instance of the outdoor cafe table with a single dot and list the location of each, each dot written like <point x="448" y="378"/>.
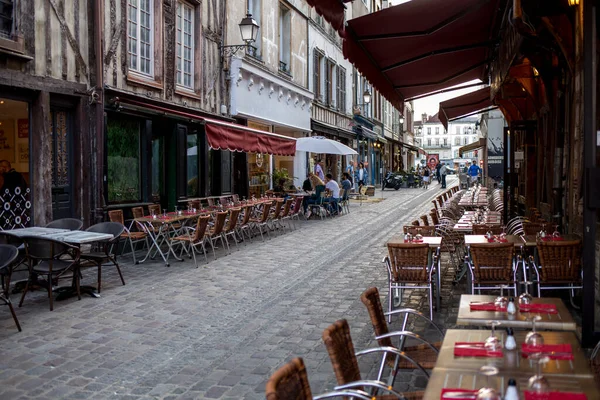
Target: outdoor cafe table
<point x="562" y="321"/>
<point x="434" y="243"/>
<point x="512" y="361"/>
<point x="472" y="380"/>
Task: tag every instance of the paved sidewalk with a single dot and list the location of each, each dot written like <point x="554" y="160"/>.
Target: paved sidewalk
<point x="218" y="331"/>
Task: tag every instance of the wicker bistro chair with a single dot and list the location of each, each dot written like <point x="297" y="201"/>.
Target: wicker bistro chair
<point x="492" y="266"/>
<point x="53" y="259"/>
<point x="137" y="212"/>
<point x="560" y="266"/>
<point x="286" y="214"/>
<point x="216" y="232"/>
<point x="104" y="252"/>
<point x="408" y="268"/>
<point x="295" y="215"/>
<point x="260" y="223"/>
<point x="423" y="230"/>
<point x="154" y="209"/>
<point x="532" y="228"/>
<point x="290" y="382"/>
<point x="245" y="225"/>
<point x="425" y="353"/>
<point x="130" y="236"/>
<point x="273" y="222"/>
<point x="193" y="238"/>
<point x="340" y="348"/>
<point x="8" y="256"/>
<point x="231" y="227"/>
<point x="425" y="220"/>
<point x="483" y="229"/>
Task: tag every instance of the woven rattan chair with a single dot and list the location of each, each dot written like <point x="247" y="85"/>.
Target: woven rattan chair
<point x="483" y="229"/>
<point x="340" y="348"/>
<point x="260" y="223"/>
<point x="137" y="212"/>
<point x="273" y="222"/>
<point x="8" y="256"/>
<point x="434" y="217"/>
<point x="130" y="236"/>
<point x="216" y="232"/>
<point x="286" y="214"/>
<point x="231" y="227"/>
<point x="408" y="268"/>
<point x="560" y="266"/>
<point x="492" y="266"/>
<point x="415" y="222"/>
<point x="533" y="228"/>
<point x="424" y="353"/>
<point x="194" y="237"/>
<point x="425" y="220"/>
<point x="423" y="230"/>
<point x="154" y="209"/>
<point x="245" y="225"/>
<point x="290" y="382"/>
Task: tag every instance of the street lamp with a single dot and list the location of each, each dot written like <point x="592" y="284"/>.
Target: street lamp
<point x="367" y="96"/>
<point x="249" y="31"/>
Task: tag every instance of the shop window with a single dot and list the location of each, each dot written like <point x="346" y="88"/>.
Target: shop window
<point x="123" y="159"/>
<point x="185" y="45"/>
<point x="192" y="165"/>
<point x="7" y="18"/>
<point x="285" y="38"/>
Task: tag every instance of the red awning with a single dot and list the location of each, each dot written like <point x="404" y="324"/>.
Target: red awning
<point x="464" y="105"/>
<point x="332" y="11"/>
<point x="422" y="46"/>
<point x="226" y="136"/>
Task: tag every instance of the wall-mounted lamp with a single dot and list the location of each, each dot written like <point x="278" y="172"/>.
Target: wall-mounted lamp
<point x="573" y="2"/>
<point x="249" y="32"/>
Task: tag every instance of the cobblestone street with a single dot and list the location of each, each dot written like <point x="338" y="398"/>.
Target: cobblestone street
<point x="218" y="331"/>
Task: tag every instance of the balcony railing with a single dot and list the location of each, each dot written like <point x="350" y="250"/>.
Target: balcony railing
<point x="437" y="146"/>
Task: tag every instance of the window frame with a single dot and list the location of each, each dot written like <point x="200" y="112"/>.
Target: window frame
<point x="252" y="6"/>
<point x="192" y="8"/>
<point x="318" y="57"/>
<point x="341" y="88"/>
<point x="151" y="59"/>
<point x="429" y="130"/>
<point x="285" y="53"/>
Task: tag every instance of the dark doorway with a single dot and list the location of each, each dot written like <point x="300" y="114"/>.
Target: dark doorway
<point x="240" y="174"/>
<point x="62" y="194"/>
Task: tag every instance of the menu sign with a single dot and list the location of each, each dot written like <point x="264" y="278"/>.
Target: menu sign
<point x="23" y="128"/>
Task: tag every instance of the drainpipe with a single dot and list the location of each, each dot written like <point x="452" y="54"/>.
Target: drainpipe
<point x="98" y="202"/>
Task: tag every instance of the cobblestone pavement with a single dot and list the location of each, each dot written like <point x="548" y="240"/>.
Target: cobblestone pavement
<point x="218" y="331"/>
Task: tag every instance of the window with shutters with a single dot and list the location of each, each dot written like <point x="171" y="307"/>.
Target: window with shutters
<point x="328" y="82"/>
<point x="437" y="130"/>
<point x="317" y="85"/>
<point x="437" y="142"/>
<point x="7" y="18"/>
<point x="429" y="130"/>
<point x="341" y="89"/>
<point x="140" y="32"/>
<point x="184" y="37"/>
<point x="457" y="141"/>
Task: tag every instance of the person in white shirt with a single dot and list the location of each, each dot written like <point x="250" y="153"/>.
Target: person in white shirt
<point x="334" y="189"/>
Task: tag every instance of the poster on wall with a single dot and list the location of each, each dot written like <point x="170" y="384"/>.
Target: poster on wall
<point x="7" y="141"/>
<point x="433" y="160"/>
<point x="23" y="128"/>
<point x="23" y="156"/>
<point x="495" y="146"/>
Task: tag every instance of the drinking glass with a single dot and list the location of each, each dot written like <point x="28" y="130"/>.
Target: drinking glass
<point x="534" y="338"/>
<point x="538" y="382"/>
<point x="165" y="213"/>
<point x="526" y="298"/>
<point x="488" y="392"/>
<point x="492" y="343"/>
<point x="418" y="236"/>
<point x="556" y="233"/>
<point x="501" y="301"/>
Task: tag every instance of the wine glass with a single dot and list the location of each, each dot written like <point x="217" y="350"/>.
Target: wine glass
<point x="492" y="343"/>
<point x="556" y="233"/>
<point x="534" y="338"/>
<point x="538" y="382"/>
<point x="503" y="234"/>
<point x="526" y="298"/>
<point x="543" y="232"/>
<point x="501" y="301"/>
<point x="488" y="392"/>
<point x="418" y="236"/>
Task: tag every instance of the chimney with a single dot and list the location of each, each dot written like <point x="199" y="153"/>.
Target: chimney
<point x="423" y="118"/>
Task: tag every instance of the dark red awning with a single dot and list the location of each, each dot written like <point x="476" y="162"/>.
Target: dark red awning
<point x="464" y="105"/>
<point x="226" y="136"/>
<point x="332" y="11"/>
<point x="422" y="46"/>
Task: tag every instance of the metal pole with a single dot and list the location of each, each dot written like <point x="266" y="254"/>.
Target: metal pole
<point x="589" y="161"/>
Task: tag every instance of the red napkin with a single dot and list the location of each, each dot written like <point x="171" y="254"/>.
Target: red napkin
<point x="539" y="308"/>
<point x="526" y="350"/>
<point x="461" y="391"/>
<point x="475" y="349"/>
<point x="486" y="307"/>
<point x="554" y="396"/>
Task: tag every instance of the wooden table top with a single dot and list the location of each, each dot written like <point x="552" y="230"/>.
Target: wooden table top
<point x="454" y="378"/>
<point x="513" y="363"/>
<point x="563" y="321"/>
<point x="432" y="241"/>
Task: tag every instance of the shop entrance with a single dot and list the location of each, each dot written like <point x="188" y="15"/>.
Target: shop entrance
<point x="15" y="196"/>
<point x="62" y="194"/>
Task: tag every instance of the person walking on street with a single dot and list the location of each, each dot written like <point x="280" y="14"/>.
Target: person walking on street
<point x="444" y="172"/>
<point x="319" y="170"/>
<point x="426" y="177"/>
<point x="437" y="172"/>
<point x="361" y="176"/>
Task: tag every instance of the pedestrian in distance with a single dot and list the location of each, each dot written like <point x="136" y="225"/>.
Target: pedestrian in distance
<point x="319" y="170"/>
<point x="438" y="167"/>
<point x="474" y="172"/>
<point x="426" y="176"/>
<point x="361" y="176"/>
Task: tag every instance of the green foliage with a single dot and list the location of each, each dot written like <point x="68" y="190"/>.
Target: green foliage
<point x="282" y="173"/>
<point x="123" y="149"/>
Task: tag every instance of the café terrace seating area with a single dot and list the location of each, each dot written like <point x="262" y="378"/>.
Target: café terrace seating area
<point x="515" y="334"/>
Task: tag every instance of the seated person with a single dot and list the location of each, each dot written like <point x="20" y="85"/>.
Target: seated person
<point x="346" y="185"/>
<point x="306" y="185"/>
<point x="312" y="199"/>
<point x="333" y="187"/>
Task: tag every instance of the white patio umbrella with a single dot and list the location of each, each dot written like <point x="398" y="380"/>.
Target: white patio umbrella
<point x="319" y="144"/>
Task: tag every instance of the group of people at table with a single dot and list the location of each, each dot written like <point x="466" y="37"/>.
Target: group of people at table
<point x="317" y="183"/>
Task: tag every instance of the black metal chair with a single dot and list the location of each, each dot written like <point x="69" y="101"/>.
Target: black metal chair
<point x="7" y="238"/>
<point x="8" y="256"/>
<point x="52" y="259"/>
<point x="71" y="224"/>
<point x="105" y="251"/>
